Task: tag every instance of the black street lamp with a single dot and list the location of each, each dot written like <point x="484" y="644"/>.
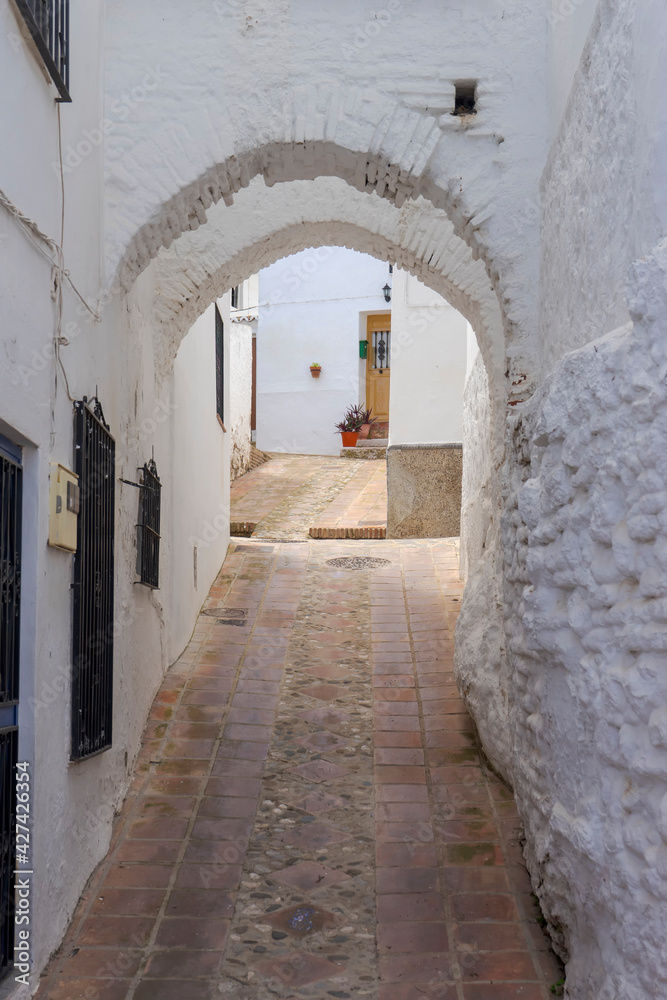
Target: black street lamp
<point x="387" y="293"/>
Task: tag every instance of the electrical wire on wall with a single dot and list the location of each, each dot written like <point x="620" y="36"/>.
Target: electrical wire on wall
<point x="53" y="252"/>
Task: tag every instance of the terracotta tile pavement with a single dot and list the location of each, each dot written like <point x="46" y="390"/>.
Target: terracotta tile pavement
<point x="167" y="912"/>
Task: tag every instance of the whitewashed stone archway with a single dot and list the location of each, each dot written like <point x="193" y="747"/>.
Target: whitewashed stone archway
<point x="265" y="224"/>
<point x="288" y="96"/>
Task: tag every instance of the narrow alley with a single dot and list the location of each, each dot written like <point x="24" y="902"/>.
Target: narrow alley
<point x="311" y="814"/>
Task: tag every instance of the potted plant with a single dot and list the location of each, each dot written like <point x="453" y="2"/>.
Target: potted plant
<point x="315" y="369"/>
<point x="350" y="426"/>
<point x="365" y="428"/>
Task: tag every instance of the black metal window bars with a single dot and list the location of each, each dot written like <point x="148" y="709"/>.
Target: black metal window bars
<point x="381" y="359"/>
<point x="148" y="527"/>
<point x="48" y="23"/>
<point x="219" y="366"/>
<point x="93" y="625"/>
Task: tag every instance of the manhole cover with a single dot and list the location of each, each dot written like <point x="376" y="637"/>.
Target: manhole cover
<point x="225" y="612"/>
<point x="357" y="562"/>
<point x="227" y="616"/>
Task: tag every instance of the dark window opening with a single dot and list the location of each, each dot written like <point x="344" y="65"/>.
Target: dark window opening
<point x="235" y="297"/>
<point x="220" y="365"/>
<point x="48" y="23"/>
<point x="465" y="99"/>
<point x="93" y="586"/>
<point x="148" y="527"/>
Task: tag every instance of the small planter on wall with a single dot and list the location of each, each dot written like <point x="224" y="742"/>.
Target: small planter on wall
<point x="315" y="370"/>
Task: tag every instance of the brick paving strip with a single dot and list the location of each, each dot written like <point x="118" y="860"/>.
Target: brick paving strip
<point x="456" y="918"/>
<point x="242" y="862"/>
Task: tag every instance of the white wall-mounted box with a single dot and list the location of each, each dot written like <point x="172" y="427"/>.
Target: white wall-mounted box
<point x="63" y="508"/>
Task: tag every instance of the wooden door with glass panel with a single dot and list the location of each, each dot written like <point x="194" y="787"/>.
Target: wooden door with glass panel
<point x="378" y="361"/>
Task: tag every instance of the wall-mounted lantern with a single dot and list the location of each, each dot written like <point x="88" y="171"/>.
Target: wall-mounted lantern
<point x="387" y="293"/>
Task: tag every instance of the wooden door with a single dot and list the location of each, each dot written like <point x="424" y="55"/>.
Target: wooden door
<point x="378" y="361"/>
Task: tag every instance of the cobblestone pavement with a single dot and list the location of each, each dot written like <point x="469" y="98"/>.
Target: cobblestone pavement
<point x="292" y="493"/>
<point x="311" y="815"/>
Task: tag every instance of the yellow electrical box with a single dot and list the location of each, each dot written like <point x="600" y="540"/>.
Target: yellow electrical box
<point x="63" y="508"/>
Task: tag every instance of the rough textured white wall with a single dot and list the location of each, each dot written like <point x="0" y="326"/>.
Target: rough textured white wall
<point x="240" y="396"/>
<point x="428" y="358"/>
<point x="585" y="597"/>
<point x="582" y="529"/>
<point x="309" y="306"/>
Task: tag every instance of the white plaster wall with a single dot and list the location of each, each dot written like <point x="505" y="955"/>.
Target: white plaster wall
<point x="73" y="805"/>
<point x="200" y="474"/>
<point x="240" y="396"/>
<point x="309" y="308"/>
<point x="429" y="347"/>
<point x="592" y="231"/>
<point x="570" y="22"/>
<point x="480" y="657"/>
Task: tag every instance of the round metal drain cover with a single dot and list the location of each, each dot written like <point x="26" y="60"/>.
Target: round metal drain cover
<point x="357" y="562"/>
<point x="225" y="612"/>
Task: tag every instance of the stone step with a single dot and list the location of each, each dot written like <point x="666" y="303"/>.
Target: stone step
<point x="242" y="529"/>
<point x="369" y="451"/>
<point x="372" y="442"/>
<point x="369" y="531"/>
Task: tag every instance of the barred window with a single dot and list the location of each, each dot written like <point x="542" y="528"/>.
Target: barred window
<point x="93" y="587"/>
<point x="48" y="23"/>
<point x="148" y="526"/>
<point x="220" y="365"/>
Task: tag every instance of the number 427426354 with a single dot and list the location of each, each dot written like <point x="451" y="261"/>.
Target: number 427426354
<point x="22" y="813"/>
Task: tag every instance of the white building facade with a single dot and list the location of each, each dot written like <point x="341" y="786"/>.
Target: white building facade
<point x="313" y="308"/>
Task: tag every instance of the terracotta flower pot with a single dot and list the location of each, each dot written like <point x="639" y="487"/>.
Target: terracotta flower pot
<point x="365" y="431"/>
<point x="349" y="438"/>
<point x="315" y="372"/>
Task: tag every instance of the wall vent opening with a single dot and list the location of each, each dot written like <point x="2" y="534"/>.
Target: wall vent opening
<point x="465" y="98"/>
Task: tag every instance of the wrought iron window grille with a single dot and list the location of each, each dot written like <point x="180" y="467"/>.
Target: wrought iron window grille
<point x="220" y="366"/>
<point x="93" y="583"/>
<point x="381" y="350"/>
<point x="148" y="525"/>
<point x="48" y="23"/>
